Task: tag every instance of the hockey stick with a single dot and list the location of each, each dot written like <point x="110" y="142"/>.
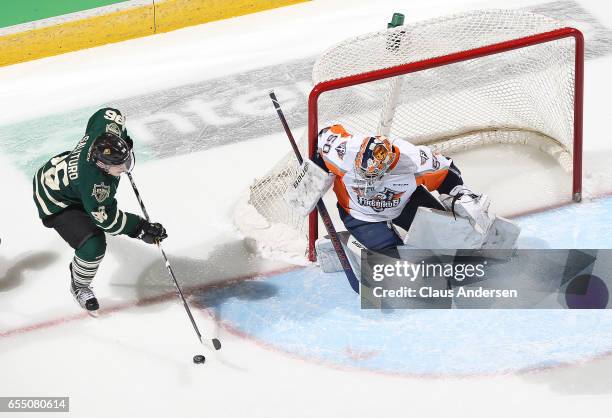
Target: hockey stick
<point x="215" y="341"/>
<point x="329" y="225"/>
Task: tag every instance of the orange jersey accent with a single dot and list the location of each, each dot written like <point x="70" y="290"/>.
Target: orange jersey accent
<point x="432" y="180"/>
<point x="339" y="129"/>
<point x="341" y="194"/>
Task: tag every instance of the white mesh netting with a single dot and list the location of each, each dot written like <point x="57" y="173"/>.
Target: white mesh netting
<point x="523" y="96"/>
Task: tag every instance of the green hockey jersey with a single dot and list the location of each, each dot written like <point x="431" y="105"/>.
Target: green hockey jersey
<point x="72" y="179"/>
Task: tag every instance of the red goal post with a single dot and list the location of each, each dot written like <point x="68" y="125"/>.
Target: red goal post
<point x="452" y="58"/>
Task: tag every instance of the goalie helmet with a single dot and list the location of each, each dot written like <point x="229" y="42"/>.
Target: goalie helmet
<point x="374" y="158"/>
<point x="110" y="150"/>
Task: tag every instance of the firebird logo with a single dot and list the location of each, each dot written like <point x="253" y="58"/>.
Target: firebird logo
<point x="380" y="200"/>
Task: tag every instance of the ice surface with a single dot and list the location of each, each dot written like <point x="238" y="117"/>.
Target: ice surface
<point x="294" y="343"/>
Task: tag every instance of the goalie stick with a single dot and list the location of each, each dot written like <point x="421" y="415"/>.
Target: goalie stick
<point x="331" y="230"/>
<point x="215" y="341"/>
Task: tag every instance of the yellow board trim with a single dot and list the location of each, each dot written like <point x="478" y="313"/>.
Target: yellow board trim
<point x="75" y="35"/>
<point x="122" y="25"/>
<point x="176" y="14"/>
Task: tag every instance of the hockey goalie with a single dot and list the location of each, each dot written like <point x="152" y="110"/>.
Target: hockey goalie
<point x="383" y="183"/>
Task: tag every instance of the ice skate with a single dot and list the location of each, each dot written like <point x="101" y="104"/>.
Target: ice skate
<point x="84" y="296"/>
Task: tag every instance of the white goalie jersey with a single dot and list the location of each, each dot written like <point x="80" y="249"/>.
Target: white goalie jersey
<point x="385" y="198"/>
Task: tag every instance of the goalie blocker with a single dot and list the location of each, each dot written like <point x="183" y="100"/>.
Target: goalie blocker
<point x="309" y="185"/>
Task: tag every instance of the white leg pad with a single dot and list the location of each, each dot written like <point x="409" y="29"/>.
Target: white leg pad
<point x="431" y="229"/>
<point x="435" y="229"/>
<point x="503" y="234"/>
<point x="328" y="259"/>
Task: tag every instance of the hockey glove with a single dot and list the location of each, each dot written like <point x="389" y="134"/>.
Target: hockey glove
<point x="467" y="204"/>
<point x="307" y="187"/>
<point x="152" y="233"/>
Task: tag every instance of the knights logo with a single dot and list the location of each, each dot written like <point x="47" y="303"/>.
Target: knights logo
<point x="100" y="215"/>
<point x="101" y="192"/>
<point x="379" y="201"/>
<point x="113" y="128"/>
<point x="424" y="157"/>
<point x="341" y="150"/>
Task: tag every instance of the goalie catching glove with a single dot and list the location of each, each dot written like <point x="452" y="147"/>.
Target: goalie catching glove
<point x="464" y="203"/>
<point x="307" y="187"/>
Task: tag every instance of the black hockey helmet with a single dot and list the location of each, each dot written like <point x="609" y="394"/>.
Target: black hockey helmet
<point x="111" y="150"/>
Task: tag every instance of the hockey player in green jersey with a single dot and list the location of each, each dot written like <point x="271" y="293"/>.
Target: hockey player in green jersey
<point x="75" y="195"/>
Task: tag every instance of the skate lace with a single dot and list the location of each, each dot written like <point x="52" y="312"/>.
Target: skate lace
<point x="84" y="293"/>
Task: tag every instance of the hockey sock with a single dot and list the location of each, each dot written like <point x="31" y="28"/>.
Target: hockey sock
<point x="87" y="259"/>
<point x="83" y="271"/>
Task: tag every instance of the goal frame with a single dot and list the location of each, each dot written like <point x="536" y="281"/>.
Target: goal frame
<point x="496" y="48"/>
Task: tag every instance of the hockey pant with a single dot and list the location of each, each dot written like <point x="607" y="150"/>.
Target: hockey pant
<point x="75" y="226"/>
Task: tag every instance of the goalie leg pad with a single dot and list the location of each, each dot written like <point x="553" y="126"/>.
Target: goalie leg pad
<point x="434" y="229"/>
<point x="328" y="259"/>
<point x="503" y="234"/>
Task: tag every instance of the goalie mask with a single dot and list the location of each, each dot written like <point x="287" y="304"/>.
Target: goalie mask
<point x="374" y="158"/>
<point x="112" y="154"/>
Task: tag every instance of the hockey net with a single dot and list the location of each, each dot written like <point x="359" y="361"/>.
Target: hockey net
<point x="453" y="83"/>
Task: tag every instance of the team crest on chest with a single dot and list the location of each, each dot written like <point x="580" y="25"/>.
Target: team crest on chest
<point x="101" y="192"/>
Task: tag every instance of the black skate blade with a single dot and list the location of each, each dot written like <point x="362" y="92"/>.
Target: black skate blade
<point x="211" y="343"/>
<point x="92" y="313"/>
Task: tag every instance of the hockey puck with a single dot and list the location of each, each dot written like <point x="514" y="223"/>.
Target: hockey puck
<point x="199" y="359"/>
<point x="216" y="343"/>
